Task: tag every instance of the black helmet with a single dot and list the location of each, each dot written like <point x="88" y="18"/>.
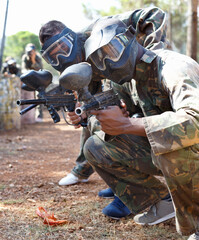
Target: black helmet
<point x="112" y="49"/>
<point x="62" y="50"/>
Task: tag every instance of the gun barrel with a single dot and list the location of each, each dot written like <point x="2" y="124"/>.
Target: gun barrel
<point x="31" y="101"/>
<point x="86" y="107"/>
<point x="25" y="110"/>
<point x="79" y="111"/>
<point x="99" y="101"/>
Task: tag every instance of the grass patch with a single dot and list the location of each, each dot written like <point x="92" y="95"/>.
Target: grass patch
<point x="12" y="201"/>
<point x="2" y="187"/>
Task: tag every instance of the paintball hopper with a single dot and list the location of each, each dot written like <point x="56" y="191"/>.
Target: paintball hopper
<point x="76" y="77"/>
<point x="37" y="79"/>
<point x="25" y="87"/>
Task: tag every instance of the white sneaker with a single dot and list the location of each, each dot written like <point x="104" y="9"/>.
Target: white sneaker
<point x="194" y="236"/>
<point x="71" y="179"/>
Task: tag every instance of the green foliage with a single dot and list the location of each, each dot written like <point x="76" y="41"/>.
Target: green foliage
<point x="50" y="69"/>
<point x="15" y="44"/>
<point x="176" y="10"/>
<point x="113" y="11"/>
<point x="15" y="47"/>
<point x="124" y="6"/>
<point x="89" y="12"/>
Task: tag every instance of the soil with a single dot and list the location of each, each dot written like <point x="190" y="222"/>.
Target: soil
<point x="33" y="160"/>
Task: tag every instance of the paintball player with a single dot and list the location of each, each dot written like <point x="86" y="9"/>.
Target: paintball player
<point x="65" y="49"/>
<point x="61" y="47"/>
<point x="31" y="59"/>
<point x="164" y="84"/>
<point x="10" y="67"/>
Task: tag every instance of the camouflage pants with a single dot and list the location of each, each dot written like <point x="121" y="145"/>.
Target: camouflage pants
<point x="124" y="163"/>
<point x="82" y="169"/>
<point x="181" y="171"/>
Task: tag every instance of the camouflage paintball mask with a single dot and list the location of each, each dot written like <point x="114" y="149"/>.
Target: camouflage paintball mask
<point x="112" y="50"/>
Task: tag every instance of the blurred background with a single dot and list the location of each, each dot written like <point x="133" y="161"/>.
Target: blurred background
<point x="20" y="21"/>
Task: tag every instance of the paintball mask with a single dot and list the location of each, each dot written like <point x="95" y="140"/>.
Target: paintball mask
<point x="12" y="66"/>
<point x="112" y="49"/>
<point x="60" y="51"/>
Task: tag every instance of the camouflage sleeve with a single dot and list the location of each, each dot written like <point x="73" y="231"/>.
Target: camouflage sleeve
<point x="177" y="129"/>
<point x="124" y="93"/>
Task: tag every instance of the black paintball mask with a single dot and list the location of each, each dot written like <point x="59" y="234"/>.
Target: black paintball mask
<point x="112" y="50"/>
<point x="62" y="50"/>
<point x="11" y="64"/>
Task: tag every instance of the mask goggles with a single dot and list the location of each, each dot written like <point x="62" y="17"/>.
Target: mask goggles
<point x="61" y="47"/>
<point x="111" y="51"/>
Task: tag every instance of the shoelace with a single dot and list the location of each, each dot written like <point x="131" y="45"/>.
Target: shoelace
<point x="153" y="209"/>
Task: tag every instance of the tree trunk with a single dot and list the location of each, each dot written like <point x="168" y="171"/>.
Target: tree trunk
<point x="192" y="29"/>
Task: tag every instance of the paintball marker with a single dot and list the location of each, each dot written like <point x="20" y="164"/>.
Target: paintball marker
<point x="77" y="77"/>
<point x="55" y="99"/>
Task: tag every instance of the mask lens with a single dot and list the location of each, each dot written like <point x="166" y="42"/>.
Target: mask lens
<point x="112" y="51"/>
<point x="63" y="46"/>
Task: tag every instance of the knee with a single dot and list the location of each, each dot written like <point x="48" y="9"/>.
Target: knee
<point x="92" y="148"/>
<point x="87" y="146"/>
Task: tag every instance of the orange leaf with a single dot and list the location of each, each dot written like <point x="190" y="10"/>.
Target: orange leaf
<point x="49" y="218"/>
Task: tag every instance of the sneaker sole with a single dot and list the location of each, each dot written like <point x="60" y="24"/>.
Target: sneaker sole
<point x="106" y="197"/>
<point x="116" y="218"/>
<point x="165" y="218"/>
<point x="83" y="181"/>
<point x="73" y="183"/>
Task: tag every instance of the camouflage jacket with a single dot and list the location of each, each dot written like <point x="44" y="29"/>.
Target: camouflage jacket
<point x="166" y="88"/>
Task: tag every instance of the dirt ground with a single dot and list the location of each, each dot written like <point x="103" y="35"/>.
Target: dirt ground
<point x="33" y="160"/>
